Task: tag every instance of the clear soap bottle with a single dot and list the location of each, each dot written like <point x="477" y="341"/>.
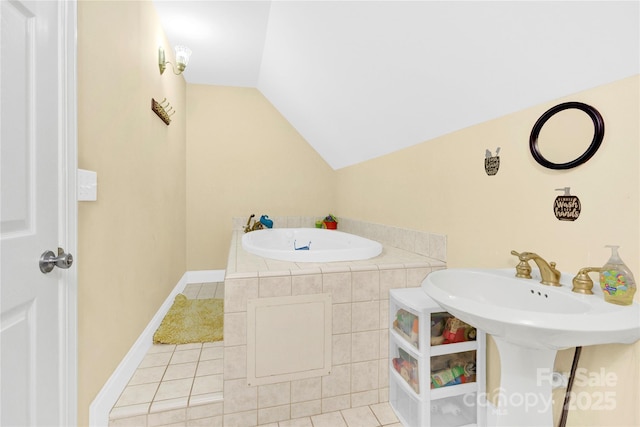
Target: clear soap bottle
<point x="616" y="280"/>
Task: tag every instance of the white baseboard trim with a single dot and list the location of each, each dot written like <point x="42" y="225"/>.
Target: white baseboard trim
<point x="204" y="276"/>
<point x="110" y="392"/>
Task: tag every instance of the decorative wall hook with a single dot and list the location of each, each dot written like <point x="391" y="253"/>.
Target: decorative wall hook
<point x="162" y="109"/>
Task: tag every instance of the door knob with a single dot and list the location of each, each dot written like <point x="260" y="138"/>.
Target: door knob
<point x="48" y="260"/>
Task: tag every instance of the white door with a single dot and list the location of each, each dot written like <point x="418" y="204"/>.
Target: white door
<point x="37" y="324"/>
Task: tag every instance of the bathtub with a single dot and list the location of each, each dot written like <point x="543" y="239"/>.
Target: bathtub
<point x="309" y="245"/>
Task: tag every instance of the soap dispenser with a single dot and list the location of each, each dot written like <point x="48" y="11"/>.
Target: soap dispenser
<point x="616" y="280"/>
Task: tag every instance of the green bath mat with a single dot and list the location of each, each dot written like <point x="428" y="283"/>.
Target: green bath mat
<point x="191" y="320"/>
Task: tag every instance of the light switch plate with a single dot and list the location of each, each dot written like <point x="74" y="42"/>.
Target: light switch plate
<point x="87" y="186"/>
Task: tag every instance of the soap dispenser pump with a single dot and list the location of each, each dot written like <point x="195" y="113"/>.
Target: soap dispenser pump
<point x="616" y="280"/>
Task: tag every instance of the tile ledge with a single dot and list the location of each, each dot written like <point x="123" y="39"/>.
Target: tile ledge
<point x="205" y="399"/>
<point x="120" y="412"/>
<point x="242" y="275"/>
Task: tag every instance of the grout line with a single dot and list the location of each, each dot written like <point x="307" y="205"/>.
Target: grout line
<point x="195" y="375"/>
<point x="342" y="415"/>
<point x="153" y="398"/>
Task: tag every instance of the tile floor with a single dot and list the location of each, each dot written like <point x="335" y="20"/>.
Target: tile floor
<point x="376" y="415"/>
<point x="181" y="385"/>
<point x="175" y="383"/>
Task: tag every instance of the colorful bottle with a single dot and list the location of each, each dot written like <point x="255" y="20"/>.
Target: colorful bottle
<point x="414" y="332"/>
<point x="447" y="376"/>
<point x="616" y="280"/>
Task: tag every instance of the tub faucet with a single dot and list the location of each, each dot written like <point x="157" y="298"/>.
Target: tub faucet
<point x="550" y="275"/>
<point x="257" y="225"/>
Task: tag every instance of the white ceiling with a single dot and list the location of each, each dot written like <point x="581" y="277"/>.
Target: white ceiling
<point x="360" y="79"/>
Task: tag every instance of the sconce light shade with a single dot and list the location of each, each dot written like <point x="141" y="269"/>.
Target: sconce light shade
<point x="183" y="54"/>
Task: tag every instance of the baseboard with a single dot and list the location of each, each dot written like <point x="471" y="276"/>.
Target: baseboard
<point x="204" y="276"/>
<point x="110" y="392"/>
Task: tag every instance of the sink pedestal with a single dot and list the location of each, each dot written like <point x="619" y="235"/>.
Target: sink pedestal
<point x="524" y="397"/>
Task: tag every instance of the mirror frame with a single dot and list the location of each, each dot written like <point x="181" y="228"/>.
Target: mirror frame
<point x="598" y="135"/>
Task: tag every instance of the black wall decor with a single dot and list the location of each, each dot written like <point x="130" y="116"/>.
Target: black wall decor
<point x="598" y="135"/>
<point x="566" y="207"/>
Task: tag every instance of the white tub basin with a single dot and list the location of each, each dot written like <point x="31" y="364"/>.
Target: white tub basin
<point x="309" y="245"/>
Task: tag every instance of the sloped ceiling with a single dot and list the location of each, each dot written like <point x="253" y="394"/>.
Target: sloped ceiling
<point x="360" y="79"/>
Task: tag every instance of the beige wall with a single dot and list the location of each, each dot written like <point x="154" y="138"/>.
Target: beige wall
<point x="243" y="157"/>
<point x="132" y="240"/>
<point x="441" y="186"/>
<point x="162" y="202"/>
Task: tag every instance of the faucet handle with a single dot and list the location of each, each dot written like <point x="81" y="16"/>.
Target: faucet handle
<point x="525" y="256"/>
<point x="523" y="269"/>
<point x="520" y="256"/>
<point x="582" y="283"/>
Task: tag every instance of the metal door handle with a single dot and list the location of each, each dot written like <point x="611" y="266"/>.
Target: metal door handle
<point x="48" y="260"/>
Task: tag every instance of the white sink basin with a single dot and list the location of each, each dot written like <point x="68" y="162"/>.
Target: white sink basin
<point x="527" y="313"/>
<point x="529" y="322"/>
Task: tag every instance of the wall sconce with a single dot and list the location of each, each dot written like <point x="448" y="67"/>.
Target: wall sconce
<point x="183" y="54"/>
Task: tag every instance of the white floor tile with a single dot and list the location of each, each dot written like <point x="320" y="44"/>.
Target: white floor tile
<point x="155" y="359"/>
<point x="330" y="419"/>
<point x="161" y="348"/>
<point x="207" y="384"/>
<point x="185" y="356"/>
<point x="298" y="422"/>
<point x="148" y="375"/>
<point x="209" y="367"/>
<point x="180" y="371"/>
<point x="384" y="413"/>
<point x="136" y="394"/>
<point x="360" y="417"/>
<point x="174" y="388"/>
<point x="210" y="353"/>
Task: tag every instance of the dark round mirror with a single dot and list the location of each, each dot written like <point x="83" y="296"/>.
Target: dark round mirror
<point x="564" y="137"/>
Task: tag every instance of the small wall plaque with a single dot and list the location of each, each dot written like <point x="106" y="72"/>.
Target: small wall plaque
<point x="566" y="207"/>
<point x="492" y="163"/>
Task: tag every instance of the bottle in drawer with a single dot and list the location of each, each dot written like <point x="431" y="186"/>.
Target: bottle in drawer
<point x="406" y="325"/>
<point x="447" y="329"/>
<point x="407" y="367"/>
<point x="454" y="411"/>
<point x="453" y="369"/>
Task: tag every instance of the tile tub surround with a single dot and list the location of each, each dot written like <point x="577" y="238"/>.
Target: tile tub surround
<point x="360" y="307"/>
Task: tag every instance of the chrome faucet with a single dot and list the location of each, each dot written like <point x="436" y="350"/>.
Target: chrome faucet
<point x="257" y="225"/>
<point x="550" y="275"/>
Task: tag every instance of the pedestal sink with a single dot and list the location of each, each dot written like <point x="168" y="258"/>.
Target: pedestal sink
<point x="529" y="323"/>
